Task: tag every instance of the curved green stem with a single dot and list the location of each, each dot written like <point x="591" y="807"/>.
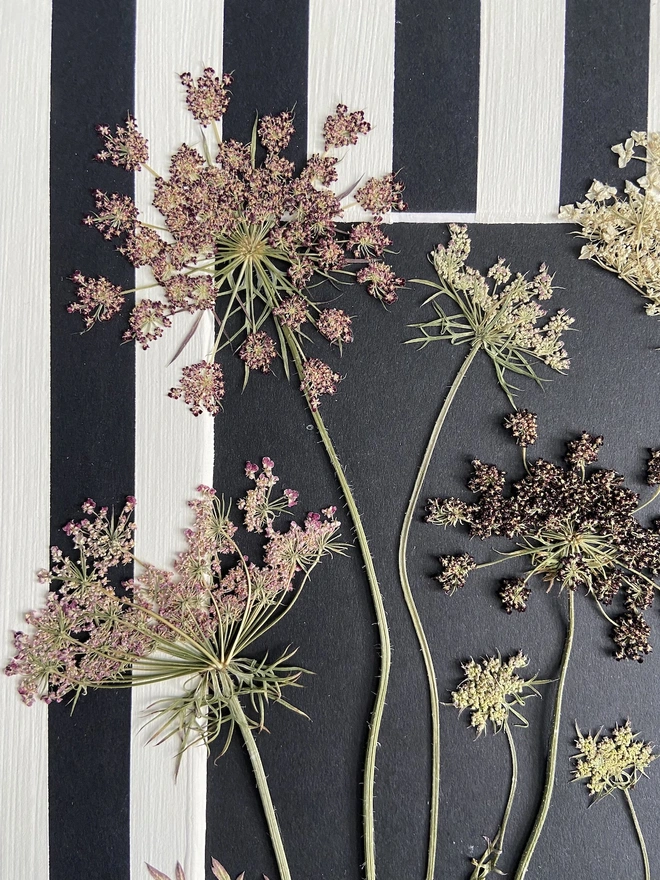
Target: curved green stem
<point x="262" y="784"/>
<point x="383" y="631"/>
<point x="512" y="790"/>
<point x="414" y="614"/>
<point x="485" y="866"/>
<point x="554" y="744"/>
<point x="640" y="836"/>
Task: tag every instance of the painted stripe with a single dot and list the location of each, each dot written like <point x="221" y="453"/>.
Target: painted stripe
<point x="411" y="217"/>
<point x="351" y="61"/>
<point x="173" y="450"/>
<point x="606" y="90"/>
<point x="265" y="47"/>
<point x="24" y="440"/>
<point x="653" y="117"/>
<point x="520" y="111"/>
<point x="92" y="421"/>
<point x="436" y="103"/>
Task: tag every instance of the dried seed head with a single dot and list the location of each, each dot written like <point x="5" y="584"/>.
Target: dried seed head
<point x="523" y="426"/>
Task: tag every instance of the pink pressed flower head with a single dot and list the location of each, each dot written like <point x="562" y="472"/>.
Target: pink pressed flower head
<point x="207" y="98"/>
<point x="126" y="148"/>
<point x="318" y="379"/>
<point x="98" y="299"/>
<point x="258" y="351"/>
<point x="343" y="128"/>
<point x="202" y="387"/>
<point x="381" y="194"/>
<point x="381" y="282"/>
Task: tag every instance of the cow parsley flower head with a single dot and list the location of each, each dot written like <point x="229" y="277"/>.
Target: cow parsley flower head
<point x="491" y="689"/>
<point x="611" y="763"/>
<point x="574" y="526"/>
<point x="193" y="621"/>
<point x="623" y="230"/>
<point x="499" y="312"/>
<point x="245" y="238"/>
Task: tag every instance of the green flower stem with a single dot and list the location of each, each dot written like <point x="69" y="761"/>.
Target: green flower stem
<point x="512" y="791"/>
<point x="488" y="862"/>
<point x="262" y="784"/>
<point x="383" y="631"/>
<point x="554" y="744"/>
<point x="414" y="614"/>
<point x="650" y="500"/>
<point x="640" y="836"/>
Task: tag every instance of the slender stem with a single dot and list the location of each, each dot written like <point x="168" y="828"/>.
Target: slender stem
<point x="414" y="614"/>
<point x="381" y="621"/>
<point x="262" y="785"/>
<point x="512" y="791"/>
<point x="487" y="864"/>
<point x="650" y="500"/>
<point x="554" y="744"/>
<point x="640" y="836"/>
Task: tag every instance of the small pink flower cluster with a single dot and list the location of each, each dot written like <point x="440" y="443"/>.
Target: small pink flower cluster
<point x="259" y="509"/>
<point x="318" y="379"/>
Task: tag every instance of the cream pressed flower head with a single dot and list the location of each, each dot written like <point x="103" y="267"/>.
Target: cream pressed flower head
<point x="499" y="311"/>
<point x="623" y="231"/>
<point x="608" y="763"/>
<point x="491" y="688"/>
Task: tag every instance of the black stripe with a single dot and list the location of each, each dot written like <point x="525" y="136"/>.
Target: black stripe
<point x="93" y="416"/>
<point x="605" y="90"/>
<point x="265" y="47"/>
<point x="436" y="103"/>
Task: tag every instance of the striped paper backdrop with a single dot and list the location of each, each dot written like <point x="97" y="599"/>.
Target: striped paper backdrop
<point x="495" y="112"/>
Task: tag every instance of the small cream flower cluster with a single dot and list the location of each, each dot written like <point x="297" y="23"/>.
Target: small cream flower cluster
<point x="623" y="231"/>
<point x="489" y="688"/>
<point x="608" y="763"/>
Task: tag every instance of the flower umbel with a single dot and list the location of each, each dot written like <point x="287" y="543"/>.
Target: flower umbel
<point x="575" y="528"/>
<point x="244" y="237"/>
<point x="615" y="763"/>
<point x="193" y="622"/>
<point x="499" y="312"/>
<point x="623" y="231"/>
<point x="491" y="689"/>
<point x="611" y="763"/>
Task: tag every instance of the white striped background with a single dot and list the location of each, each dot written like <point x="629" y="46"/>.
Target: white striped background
<point x="351" y="59"/>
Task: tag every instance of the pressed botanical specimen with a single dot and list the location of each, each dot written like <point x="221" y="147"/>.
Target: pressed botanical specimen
<point x="499" y="314"/>
<point x="576" y="528"/>
<point x="192" y="624"/>
<point x="244" y="243"/>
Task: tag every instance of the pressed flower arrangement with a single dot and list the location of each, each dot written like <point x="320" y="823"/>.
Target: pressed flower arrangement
<point x="250" y="244"/>
<point x="576" y="530"/>
<point x="499" y="314"/>
<point x="491" y="691"/>
<point x="192" y="624"/>
<point x="245" y="241"/>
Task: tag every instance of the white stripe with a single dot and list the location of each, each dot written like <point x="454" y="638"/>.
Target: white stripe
<point x="351" y="61"/>
<point x="25" y="429"/>
<point x="521" y="91"/>
<point x="429" y="217"/>
<point x="173" y="449"/>
<point x="653" y="122"/>
<point x="433" y="217"/>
